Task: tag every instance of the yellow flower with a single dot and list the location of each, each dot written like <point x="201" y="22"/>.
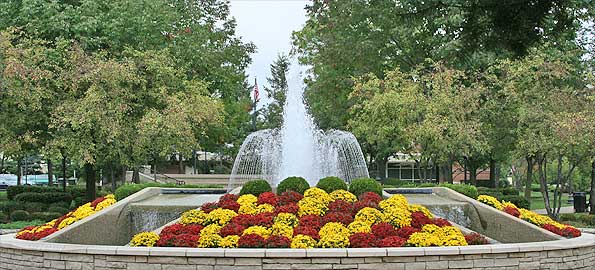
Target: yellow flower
<point x="264" y="208"/>
<point x="311" y="206"/>
<point x="230" y="241"/>
<point x="220" y="216"/>
<point x="108" y="201"/>
<point x="303" y="241"/>
<point x="491" y="201"/>
<point x="247" y="199"/>
<point x="419" y="208"/>
<point x="334" y="235"/>
<point x="423" y="239"/>
<point x="395" y="201"/>
<point x="209" y="241"/>
<point x="508" y="204"/>
<point x="359" y="227"/>
<point x="319" y="194"/>
<point x="369" y="215"/>
<point x="210" y="230"/>
<point x="282" y="229"/>
<point x="334" y="228"/>
<point x="65" y="222"/>
<point x="144" y="239"/>
<point x="260" y="230"/>
<point x="538" y="219"/>
<point x="83" y="211"/>
<point x="249" y="209"/>
<point x="430" y="228"/>
<point x="343" y="195"/>
<point x="288" y="219"/>
<point x="194" y="217"/>
<point x="398" y="217"/>
<point x="433" y="235"/>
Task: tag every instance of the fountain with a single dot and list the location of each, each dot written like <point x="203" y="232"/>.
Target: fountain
<point x="298" y="148"/>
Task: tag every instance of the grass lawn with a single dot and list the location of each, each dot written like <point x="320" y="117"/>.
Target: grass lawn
<point x="538" y="203"/>
<point x="3" y="196"/>
<point x="20" y="224"/>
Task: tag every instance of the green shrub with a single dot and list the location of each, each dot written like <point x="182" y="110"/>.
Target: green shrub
<point x="467" y="190"/>
<point x="517" y="200"/>
<point x="129" y="189"/>
<point x="568" y="217"/>
<point x="60" y="204"/>
<point x="35" y="207"/>
<point x="361" y="185"/>
<point x="294" y="183"/>
<point x="3" y="217"/>
<point x="535" y="187"/>
<point x="50" y="197"/>
<point x="395" y="182"/>
<point x="13" y="191"/>
<point x="255" y="187"/>
<point x="58" y="209"/>
<point x="331" y="183"/>
<point x="586" y="219"/>
<point x="422" y="185"/>
<point x="503" y="184"/>
<point x="493" y="193"/>
<point x="45" y="216"/>
<point x="509" y="191"/>
<point x="8" y="207"/>
<point x="20" y="215"/>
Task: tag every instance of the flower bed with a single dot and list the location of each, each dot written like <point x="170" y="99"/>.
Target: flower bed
<point x="315" y="219"/>
<point x="542" y="221"/>
<point x="34" y="233"/>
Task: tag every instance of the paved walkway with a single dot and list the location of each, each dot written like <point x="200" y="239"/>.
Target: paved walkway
<point x="563" y="210"/>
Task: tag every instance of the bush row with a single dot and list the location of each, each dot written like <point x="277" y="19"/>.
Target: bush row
<point x="129" y="189"/>
<point x="299" y="184"/>
<point x="22" y="215"/>
<point x="576" y="217"/>
<point x="47" y="198"/>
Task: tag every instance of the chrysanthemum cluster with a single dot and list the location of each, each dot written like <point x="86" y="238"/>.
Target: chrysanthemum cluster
<point x="34" y="233"/>
<point x="316" y="219"/>
<point x="542" y="221"/>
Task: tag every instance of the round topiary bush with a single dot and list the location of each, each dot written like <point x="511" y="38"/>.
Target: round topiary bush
<point x="19" y="215"/>
<point x="255" y="187"/>
<point x="331" y="183"/>
<point x="35" y="207"/>
<point x="8" y="207"/>
<point x="294" y="183"/>
<point x="361" y="185"/>
<point x="58" y="209"/>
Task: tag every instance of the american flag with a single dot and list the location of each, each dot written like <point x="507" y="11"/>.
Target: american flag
<point x="256" y="95"/>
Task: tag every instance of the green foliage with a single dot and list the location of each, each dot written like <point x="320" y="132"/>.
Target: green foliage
<point x="467" y="190"/>
<point x="129" y="189"/>
<point x="517" y="200"/>
<point x="277" y="90"/>
<point x="47" y="198"/>
<point x="586" y="219"/>
<point x="12" y="191"/>
<point x="331" y="183"/>
<point x="8" y="207"/>
<point x="20" y="215"/>
<point x="294" y="183"/>
<point x="21" y="224"/>
<point x="58" y="209"/>
<point x="59" y="204"/>
<point x="509" y="191"/>
<point x="45" y="216"/>
<point x="255" y="187"/>
<point x="3" y="217"/>
<point x="361" y="185"/>
<point x="32" y="207"/>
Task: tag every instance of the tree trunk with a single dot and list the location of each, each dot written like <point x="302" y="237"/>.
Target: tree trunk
<point x="135" y="176"/>
<point x="529" y="179"/>
<point x="64" y="173"/>
<point x="381" y="168"/>
<point x="473" y="175"/>
<point x="493" y="174"/>
<point x="2" y="163"/>
<point x="465" y="172"/>
<point x="50" y="173"/>
<point x="112" y="178"/>
<point x="181" y="164"/>
<point x="592" y="191"/>
<point x="19" y="172"/>
<point x="542" y="168"/>
<point x="445" y="173"/>
<point x="90" y="182"/>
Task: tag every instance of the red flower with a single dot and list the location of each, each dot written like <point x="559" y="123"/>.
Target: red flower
<point x="208" y="207"/>
<point x="571" y="232"/>
<point x="340" y="206"/>
<point x="288" y="197"/>
<point x="418" y="219"/>
<point x="370" y="196"/>
<point x="246" y="220"/>
<point x="251" y="241"/>
<point x="278" y="241"/>
<point x="392" y="241"/>
<point x="512" y="211"/>
<point x="383" y="230"/>
<point x="36" y="236"/>
<point x="440" y="222"/>
<point x="341" y="217"/>
<point x="172" y="229"/>
<point x="476" y="239"/>
<point x="362" y="240"/>
<point x="229" y="204"/>
<point x="182" y="240"/>
<point x="268" y="197"/>
<point x="359" y="205"/>
<point x="552" y="228"/>
<point x="178" y="229"/>
<point x="407" y="231"/>
<point x="231" y="229"/>
<point x="228" y="197"/>
<point x="311" y="221"/>
<point x="60" y="219"/>
<point x="97" y="201"/>
<point x="288" y="208"/>
<point x="263" y="219"/>
<point x="192" y="229"/>
<point x="306" y="230"/>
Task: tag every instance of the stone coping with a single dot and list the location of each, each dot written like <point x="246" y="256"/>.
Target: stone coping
<point x="585" y="240"/>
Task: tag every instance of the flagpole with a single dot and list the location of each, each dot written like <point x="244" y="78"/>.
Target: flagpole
<point x="254" y="106"/>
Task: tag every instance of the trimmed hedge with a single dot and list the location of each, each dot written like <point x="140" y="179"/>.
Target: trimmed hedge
<point x="467" y="190"/>
<point x="294" y="183"/>
<point x="255" y="187"/>
<point x="362" y="185"/>
<point x="129" y="189"/>
<point x="35" y="207"/>
<point x="50" y="197"/>
<point x="44" y="216"/>
<point x="331" y="183"/>
<point x="519" y="201"/>
<point x="20" y="215"/>
<point x="58" y="209"/>
<point x="8" y="207"/>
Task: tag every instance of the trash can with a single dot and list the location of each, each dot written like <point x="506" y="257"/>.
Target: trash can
<point x="580" y="202"/>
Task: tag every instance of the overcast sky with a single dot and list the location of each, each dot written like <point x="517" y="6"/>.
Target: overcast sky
<point x="268" y="24"/>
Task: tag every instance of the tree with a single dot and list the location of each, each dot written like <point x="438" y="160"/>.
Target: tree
<point x="276" y="91"/>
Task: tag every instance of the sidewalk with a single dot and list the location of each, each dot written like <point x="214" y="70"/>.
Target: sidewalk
<point x="563" y="210"/>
